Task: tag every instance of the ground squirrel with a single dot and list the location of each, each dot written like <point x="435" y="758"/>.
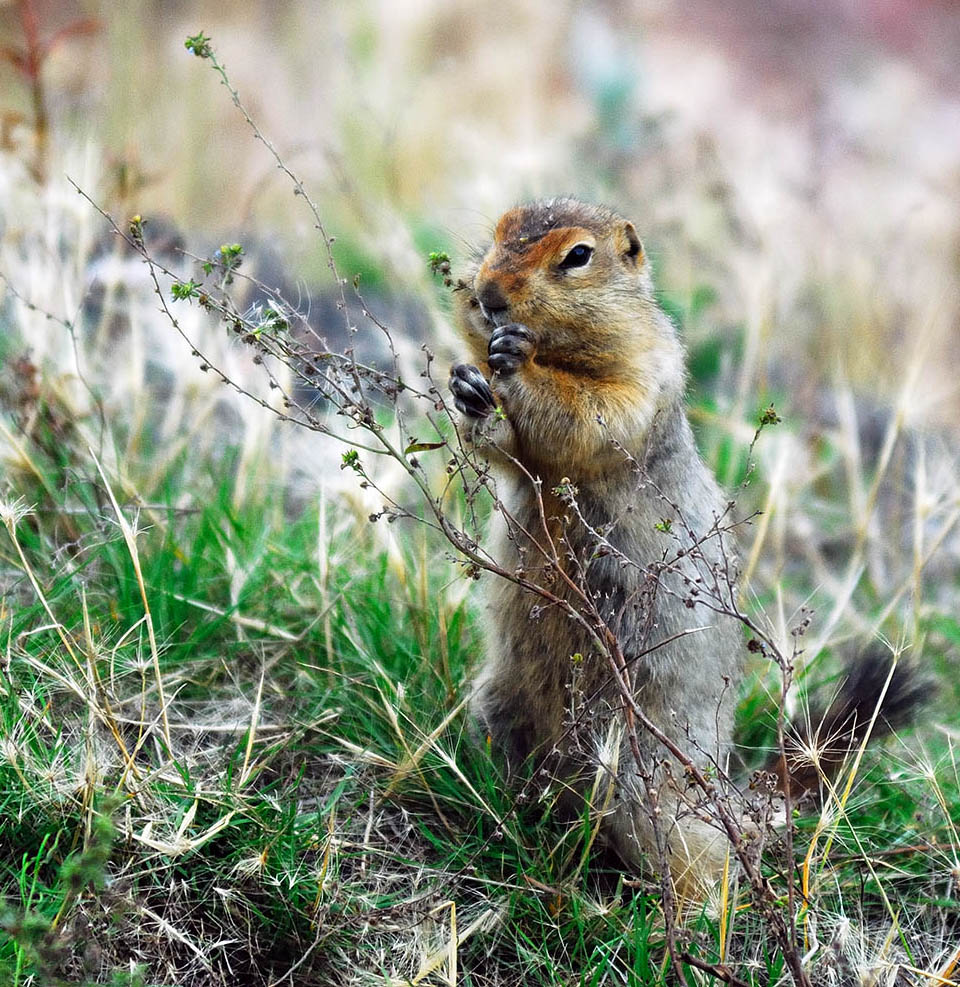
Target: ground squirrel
<point x="586" y="394"/>
<point x="586" y="388"/>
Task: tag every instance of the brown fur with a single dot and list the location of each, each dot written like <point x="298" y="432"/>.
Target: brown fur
<point x="597" y="364"/>
<point x="588" y="373"/>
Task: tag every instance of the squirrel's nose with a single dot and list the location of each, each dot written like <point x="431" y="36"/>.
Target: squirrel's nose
<point x="491" y="297"/>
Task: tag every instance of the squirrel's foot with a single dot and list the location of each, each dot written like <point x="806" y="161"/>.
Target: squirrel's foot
<point x="471" y="392"/>
<point x="510" y="347"/>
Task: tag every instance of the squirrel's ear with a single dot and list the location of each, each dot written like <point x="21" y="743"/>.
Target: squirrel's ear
<point x="632" y="249"/>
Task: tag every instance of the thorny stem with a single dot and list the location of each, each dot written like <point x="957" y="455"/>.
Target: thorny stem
<point x="298" y="186"/>
<point x="573" y="599"/>
<point x="759" y="883"/>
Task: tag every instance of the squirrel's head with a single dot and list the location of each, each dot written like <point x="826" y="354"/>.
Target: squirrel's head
<point x="559" y="266"/>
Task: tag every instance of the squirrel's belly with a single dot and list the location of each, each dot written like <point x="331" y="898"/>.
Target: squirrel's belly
<point x="546" y="689"/>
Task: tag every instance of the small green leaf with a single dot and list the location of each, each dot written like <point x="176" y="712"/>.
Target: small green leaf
<point x="199" y="44"/>
<point x="184" y="289"/>
<point x="769" y="417"/>
<point x="136" y="228"/>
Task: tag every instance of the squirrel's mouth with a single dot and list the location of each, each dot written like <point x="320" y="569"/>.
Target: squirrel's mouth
<point x="493" y="318"/>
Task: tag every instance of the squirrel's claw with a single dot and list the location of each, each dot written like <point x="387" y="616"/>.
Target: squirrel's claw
<point x="471" y="392"/>
<point x="510" y="347"/>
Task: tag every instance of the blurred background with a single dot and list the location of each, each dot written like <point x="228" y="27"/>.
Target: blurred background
<point x="794" y="167"/>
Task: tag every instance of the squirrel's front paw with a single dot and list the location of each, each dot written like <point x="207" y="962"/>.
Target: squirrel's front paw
<point x="510" y="347"/>
<point x="471" y="392"/>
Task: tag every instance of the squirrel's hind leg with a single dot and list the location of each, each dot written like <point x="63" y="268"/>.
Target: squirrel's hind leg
<point x="697" y="852"/>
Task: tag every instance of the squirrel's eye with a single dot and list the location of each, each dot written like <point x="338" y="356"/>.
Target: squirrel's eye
<point x="577" y="256"/>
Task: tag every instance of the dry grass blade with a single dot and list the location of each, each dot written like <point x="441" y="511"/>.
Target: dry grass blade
<point x="181" y="843"/>
<point x="176" y="934"/>
<point x="252" y="623"/>
<point x="447" y="954"/>
<point x="948" y="969"/>
<point x="130" y="540"/>
<point x="10" y="518"/>
<point x="252" y="732"/>
<point x="413" y="759"/>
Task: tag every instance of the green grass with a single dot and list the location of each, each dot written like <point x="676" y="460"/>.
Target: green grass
<point x="319" y="793"/>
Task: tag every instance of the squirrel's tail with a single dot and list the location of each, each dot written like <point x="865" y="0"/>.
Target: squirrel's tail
<point x="817" y="748"/>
